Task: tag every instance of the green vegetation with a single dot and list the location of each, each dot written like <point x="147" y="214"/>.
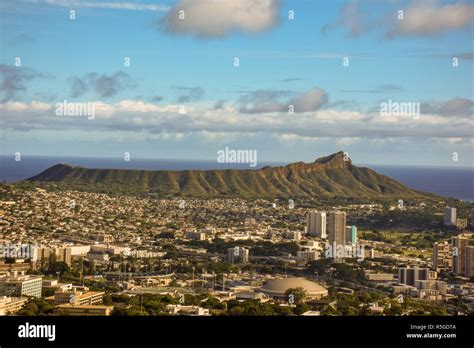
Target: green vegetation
<point x="331" y="176"/>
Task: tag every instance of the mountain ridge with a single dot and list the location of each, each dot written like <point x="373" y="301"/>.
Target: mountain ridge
<point x="328" y="176"/>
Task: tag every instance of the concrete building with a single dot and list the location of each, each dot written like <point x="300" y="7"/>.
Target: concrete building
<point x="53" y="284"/>
<point x="82" y="310"/>
<point x="459" y="244"/>
<point x="438" y="285"/>
<point x="64" y="255"/>
<point x="43" y="255"/>
<point x="351" y="234"/>
<point x="78" y="298"/>
<point x="337" y="234"/>
<point x="293" y="235"/>
<point x="80" y="250"/>
<point x="461" y="223"/>
<point x="186" y="310"/>
<point x="379" y="277"/>
<point x="277" y="288"/>
<point x="238" y="254"/>
<point x="10" y="305"/>
<point x="316" y="224"/>
<point x="193" y="235"/>
<point x="469" y="263"/>
<point x="23" y="285"/>
<point x="442" y="256"/>
<point x="450" y="216"/>
<point x="409" y="276"/>
<point x="306" y="256"/>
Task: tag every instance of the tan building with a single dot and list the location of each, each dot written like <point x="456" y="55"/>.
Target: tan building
<point x="379" y="277"/>
<point x="442" y="256"/>
<point x="10" y="305"/>
<point x="316" y="224"/>
<point x="83" y="310"/>
<point x="78" y="298"/>
<point x="461" y="223"/>
<point x="469" y="251"/>
<point x="459" y="244"/>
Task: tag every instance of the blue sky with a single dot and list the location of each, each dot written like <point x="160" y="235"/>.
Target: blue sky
<point x="189" y="64"/>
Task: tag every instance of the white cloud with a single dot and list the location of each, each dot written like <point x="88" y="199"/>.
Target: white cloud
<point x="142" y="118"/>
<point x="420" y="18"/>
<point x="217" y="18"/>
<point x="428" y="18"/>
<point x="72" y="4"/>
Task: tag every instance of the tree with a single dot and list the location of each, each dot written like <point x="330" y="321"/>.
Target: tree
<point x="295" y="295"/>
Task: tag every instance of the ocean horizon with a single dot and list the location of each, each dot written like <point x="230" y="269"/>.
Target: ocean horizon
<point x="455" y="182"/>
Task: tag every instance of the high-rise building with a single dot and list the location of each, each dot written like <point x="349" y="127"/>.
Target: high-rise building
<point x="442" y="256"/>
<point x="410" y="276"/>
<point x="337" y="234"/>
<point x="450" y="216"/>
<point x="238" y="254"/>
<point x="469" y="262"/>
<point x="316" y="224"/>
<point x="459" y="254"/>
<point x="351" y="234"/>
<point x="64" y="255"/>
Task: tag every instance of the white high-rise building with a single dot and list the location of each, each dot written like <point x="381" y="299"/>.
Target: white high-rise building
<point x="450" y="216"/>
<point x="316" y="224"/>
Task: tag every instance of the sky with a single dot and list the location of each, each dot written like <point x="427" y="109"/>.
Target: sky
<point x="313" y="78"/>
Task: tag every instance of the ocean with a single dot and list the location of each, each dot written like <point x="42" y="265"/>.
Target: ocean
<point x="443" y="181"/>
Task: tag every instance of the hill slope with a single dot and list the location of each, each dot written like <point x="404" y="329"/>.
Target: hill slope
<point x="329" y="176"/>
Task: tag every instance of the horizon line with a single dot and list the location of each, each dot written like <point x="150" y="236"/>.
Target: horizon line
<point x="209" y="160"/>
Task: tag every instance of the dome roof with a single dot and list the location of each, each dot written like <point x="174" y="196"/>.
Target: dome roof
<point x="278" y="287"/>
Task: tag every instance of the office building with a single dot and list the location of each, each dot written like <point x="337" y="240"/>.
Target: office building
<point x="316" y="224"/>
<point x="238" y="255"/>
<point x="450" y="216"/>
<point x="442" y="256"/>
<point x="23" y="285"/>
<point x="351" y="234"/>
<point x="193" y="235"/>
<point x="459" y="244"/>
<point x="410" y="276"/>
<point x="469" y="262"/>
<point x="461" y="223"/>
<point x="431" y="284"/>
<point x="306" y="256"/>
<point x="78" y="297"/>
<point x="82" y="310"/>
<point x="337" y="234"/>
<point x="293" y="235"/>
<point x="10" y="305"/>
